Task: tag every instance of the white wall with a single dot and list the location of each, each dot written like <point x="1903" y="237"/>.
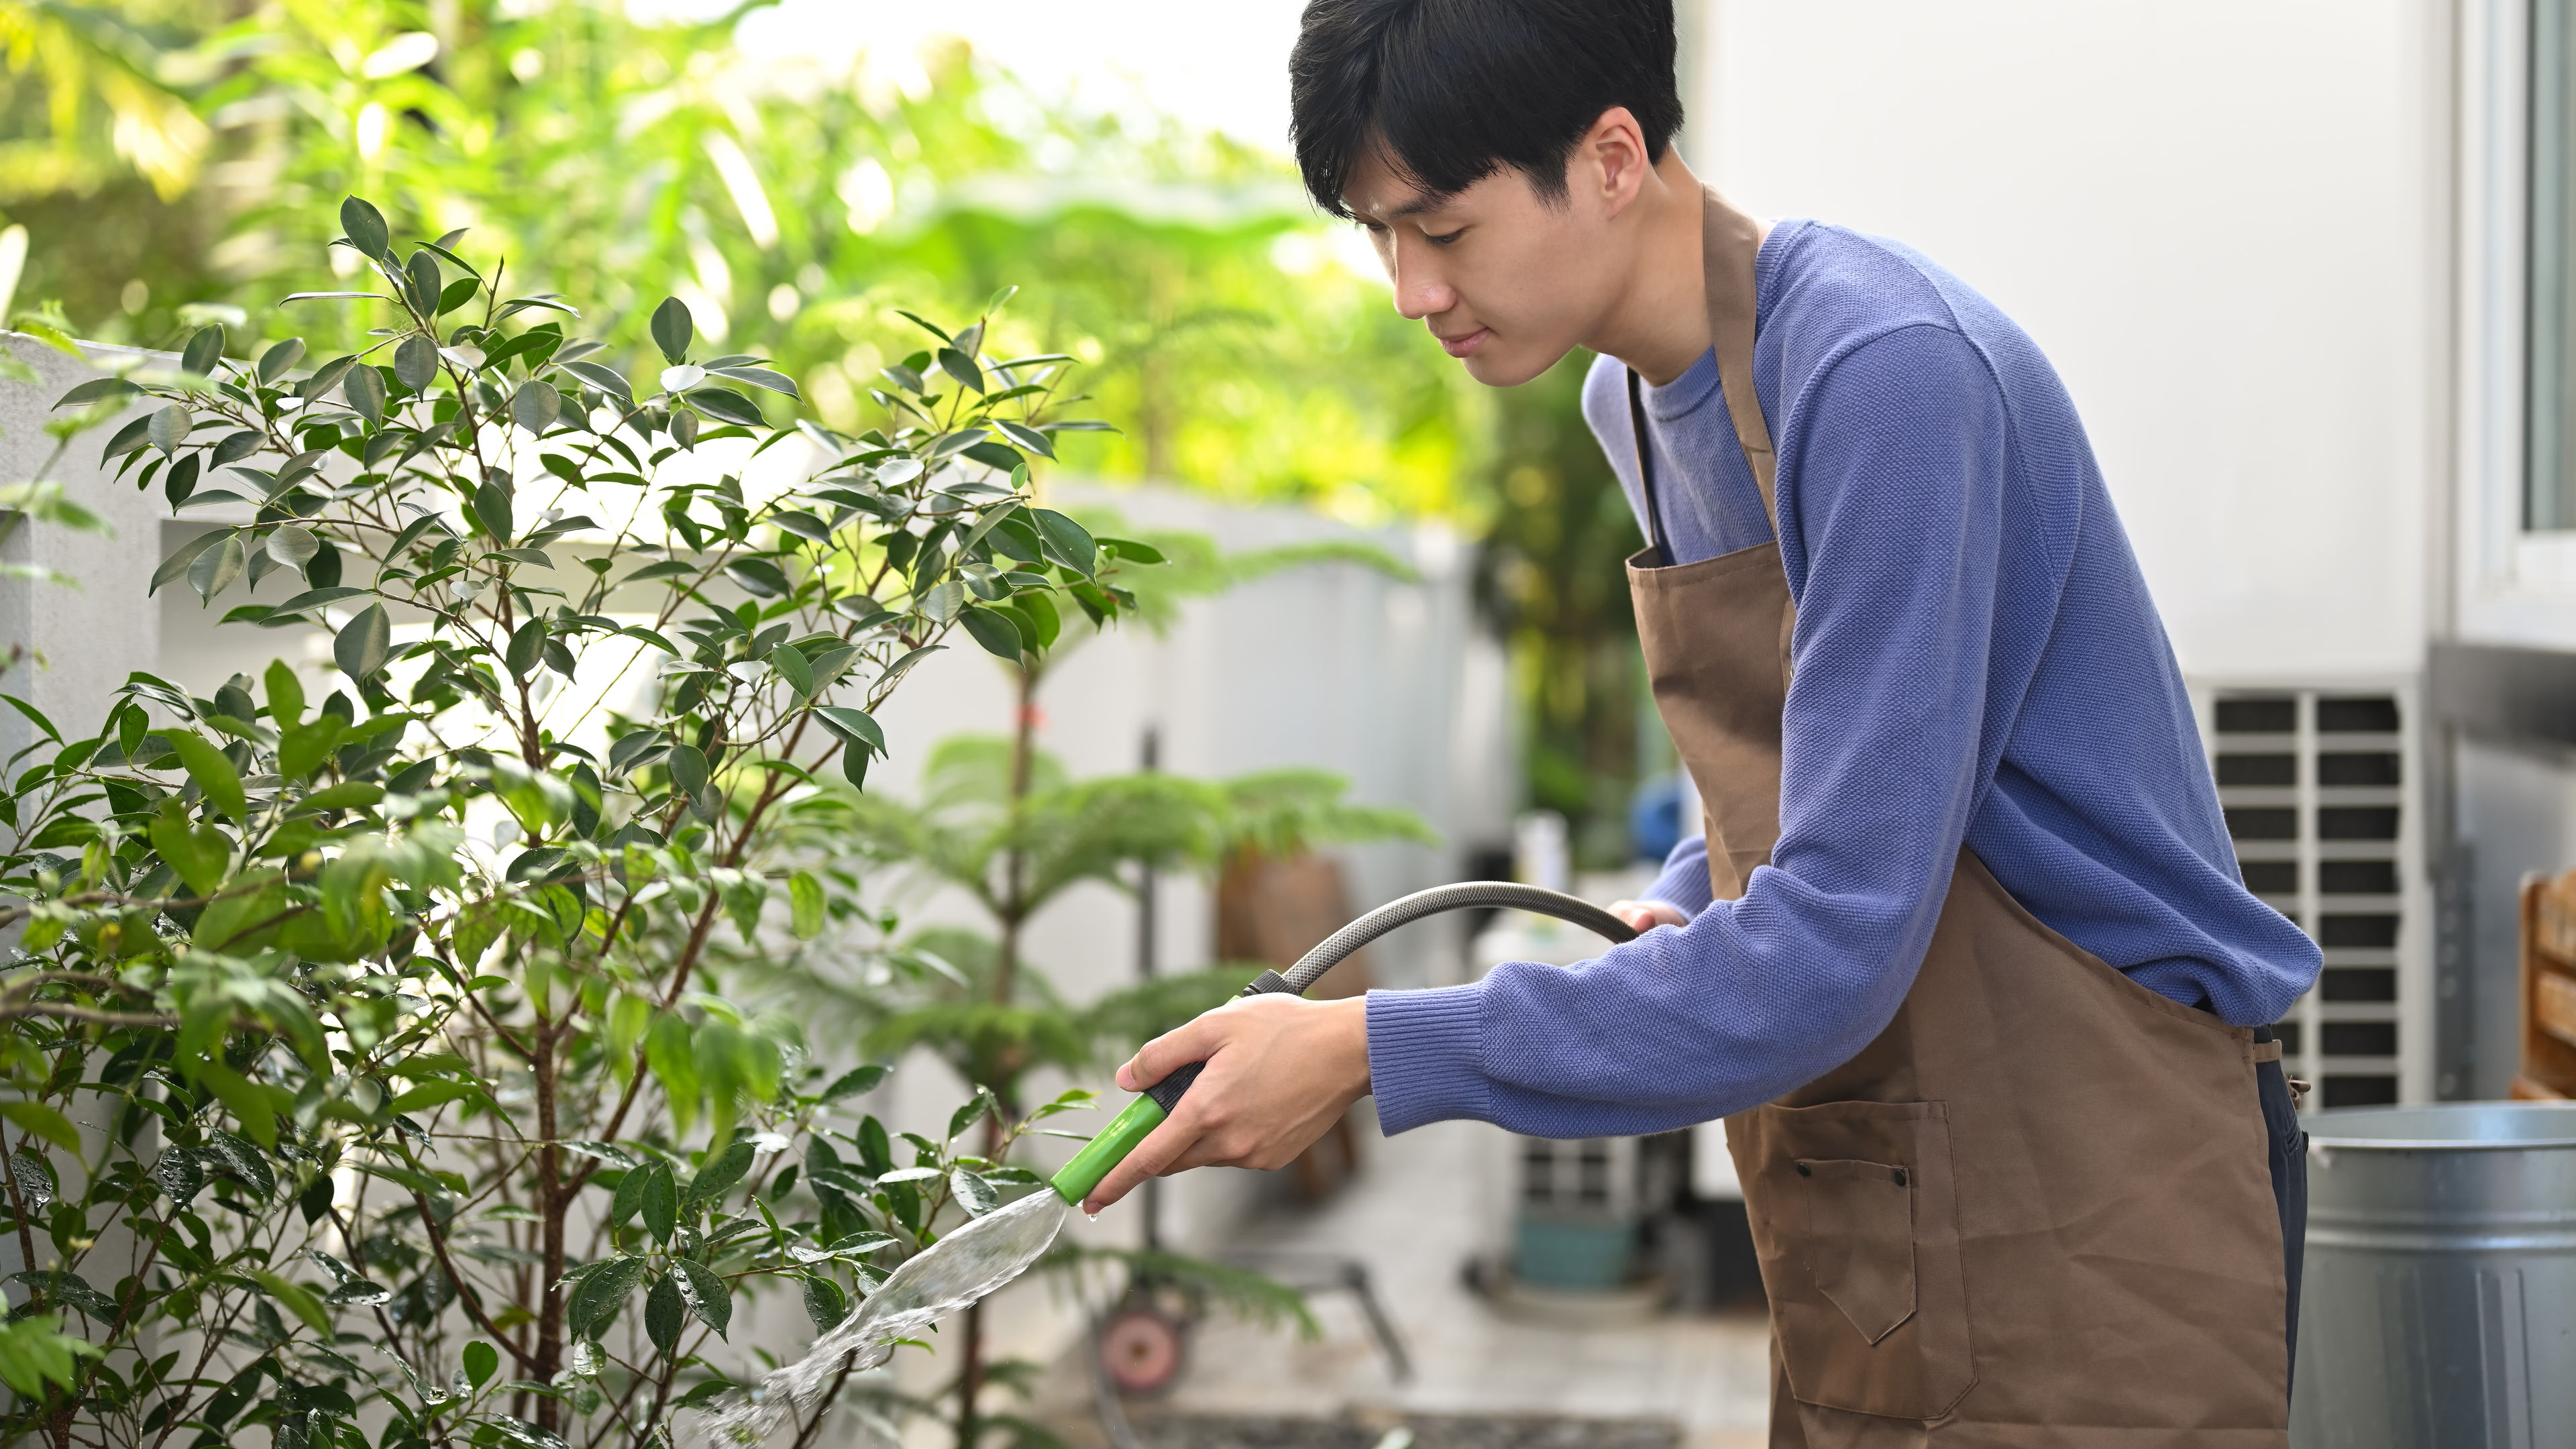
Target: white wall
<point x="2223" y="221"/>
<point x="89" y="635"/>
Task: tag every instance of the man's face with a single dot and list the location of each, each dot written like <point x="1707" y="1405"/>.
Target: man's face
<point x="1507" y="282"/>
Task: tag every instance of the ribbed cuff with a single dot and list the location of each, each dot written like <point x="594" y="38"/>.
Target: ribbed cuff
<point x="1424" y="1056"/>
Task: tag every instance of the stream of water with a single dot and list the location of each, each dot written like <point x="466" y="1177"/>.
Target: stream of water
<point x="953" y="1273"/>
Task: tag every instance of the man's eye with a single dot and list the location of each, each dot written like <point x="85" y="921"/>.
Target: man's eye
<point x="1443" y="239"/>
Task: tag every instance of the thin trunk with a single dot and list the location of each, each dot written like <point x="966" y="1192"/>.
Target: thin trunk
<point x="1006" y="970"/>
<point x="553" y="1202"/>
<point x="971" y="1379"/>
<point x="1015" y="866"/>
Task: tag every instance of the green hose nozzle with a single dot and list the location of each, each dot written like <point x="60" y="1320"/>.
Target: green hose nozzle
<point x="1157" y="1103"/>
<point x="1108" y="1149"/>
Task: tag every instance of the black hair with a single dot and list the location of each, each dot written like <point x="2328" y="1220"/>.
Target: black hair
<point x="1451" y="91"/>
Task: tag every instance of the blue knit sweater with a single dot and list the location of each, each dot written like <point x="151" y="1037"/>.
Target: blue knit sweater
<point x="1976" y="659"/>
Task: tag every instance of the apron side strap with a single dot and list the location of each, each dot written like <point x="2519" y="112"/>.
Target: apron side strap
<point x="1655" y="535"/>
<point x="1730" y="244"/>
<point x="2267" y="1051"/>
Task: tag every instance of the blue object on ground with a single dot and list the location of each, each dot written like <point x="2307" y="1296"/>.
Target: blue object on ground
<point x="1655" y="816"/>
<point x="1572" y="1253"/>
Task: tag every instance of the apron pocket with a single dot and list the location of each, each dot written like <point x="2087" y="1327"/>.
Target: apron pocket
<point x="1860" y="1240"/>
<point x="1854" y="1211"/>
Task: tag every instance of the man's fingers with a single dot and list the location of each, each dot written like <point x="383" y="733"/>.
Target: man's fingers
<point x="1192" y="1041"/>
<point x="1161" y="1147"/>
<point x="1644" y="916"/>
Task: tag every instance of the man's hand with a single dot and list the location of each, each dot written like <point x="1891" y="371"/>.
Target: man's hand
<point x="1281" y="1070"/>
<point x="1645" y="916"/>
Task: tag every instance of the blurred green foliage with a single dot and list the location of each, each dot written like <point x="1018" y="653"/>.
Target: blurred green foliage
<point x="797" y="200"/>
<point x="169" y="160"/>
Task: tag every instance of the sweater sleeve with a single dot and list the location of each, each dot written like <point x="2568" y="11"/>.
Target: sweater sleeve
<point x="1683" y="882"/>
<point x="1895" y="529"/>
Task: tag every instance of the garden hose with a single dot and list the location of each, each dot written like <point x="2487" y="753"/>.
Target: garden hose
<point x="1158" y="1101"/>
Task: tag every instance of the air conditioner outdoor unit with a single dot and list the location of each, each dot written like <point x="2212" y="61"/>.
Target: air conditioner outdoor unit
<point x="2318" y="780"/>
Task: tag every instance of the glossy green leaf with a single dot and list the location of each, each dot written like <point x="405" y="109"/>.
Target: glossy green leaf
<point x="759" y="576"/>
<point x="482" y="1361"/>
<point x="44" y="1122"/>
<point x="727" y="407"/>
<point x="599" y="1295"/>
<point x="170" y="428"/>
<point x="293" y="545"/>
<point x="972" y="1193"/>
<point x="673" y="330"/>
<point x="791" y="667"/>
<point x="973" y="1111"/>
<point x="199" y="854"/>
<point x="416" y="362"/>
<point x="674" y="1063"/>
<point x="806" y="902"/>
<point x="658" y="1203"/>
<point x="364" y="391"/>
<point x="996" y="631"/>
<point x="665" y="1314"/>
<point x="527" y="644"/>
<point x="285" y="694"/>
<point x="365" y="228"/>
<point x="302" y="749"/>
<point x="760" y="377"/>
<point x="204" y="351"/>
<point x="536" y="405"/>
<point x="721" y="1172"/>
<point x="492" y="505"/>
<point x="1067" y="542"/>
<point x="710" y="1297"/>
<point x="213" y="570"/>
<point x="825" y="1303"/>
<point x="273" y="363"/>
<point x="213" y="773"/>
<point x="96" y="389"/>
<point x="297" y="1299"/>
<point x="33" y="716"/>
<point x="688" y="767"/>
<point x="364" y="644"/>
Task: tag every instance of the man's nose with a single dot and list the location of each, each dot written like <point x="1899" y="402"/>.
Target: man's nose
<point x="1420" y="290"/>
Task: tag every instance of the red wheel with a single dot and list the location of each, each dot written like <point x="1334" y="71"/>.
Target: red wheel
<point x="1141" y="1351"/>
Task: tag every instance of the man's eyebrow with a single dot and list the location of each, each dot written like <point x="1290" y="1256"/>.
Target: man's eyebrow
<point x="1416" y="207"/>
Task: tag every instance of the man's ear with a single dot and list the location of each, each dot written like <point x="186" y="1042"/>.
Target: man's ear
<point x="1609" y="165"/>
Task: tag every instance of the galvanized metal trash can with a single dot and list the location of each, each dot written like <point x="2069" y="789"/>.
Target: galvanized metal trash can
<point x="2440" y="1301"/>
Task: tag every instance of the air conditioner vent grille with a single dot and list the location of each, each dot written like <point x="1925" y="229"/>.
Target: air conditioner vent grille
<point x="2314" y="785"/>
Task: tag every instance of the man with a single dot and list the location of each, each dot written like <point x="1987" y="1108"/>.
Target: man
<point x="1963" y="955"/>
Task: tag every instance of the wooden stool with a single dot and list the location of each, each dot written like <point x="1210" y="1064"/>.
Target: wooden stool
<point x="2548" y="989"/>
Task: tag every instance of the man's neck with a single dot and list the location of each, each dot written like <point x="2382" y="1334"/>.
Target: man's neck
<point x="1660" y="323"/>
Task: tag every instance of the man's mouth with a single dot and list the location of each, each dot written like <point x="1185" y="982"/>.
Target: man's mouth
<point x="1466" y="343"/>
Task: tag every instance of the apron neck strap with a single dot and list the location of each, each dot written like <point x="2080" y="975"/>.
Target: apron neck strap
<point x="1730" y="242"/>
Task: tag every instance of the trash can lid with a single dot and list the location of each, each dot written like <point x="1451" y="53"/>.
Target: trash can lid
<point x="2450" y="1126"/>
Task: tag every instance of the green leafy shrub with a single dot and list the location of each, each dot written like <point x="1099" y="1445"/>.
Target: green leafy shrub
<point x="366" y="1056"/>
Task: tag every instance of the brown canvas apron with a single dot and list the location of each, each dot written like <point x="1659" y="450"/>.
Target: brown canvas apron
<point x="2036" y="1209"/>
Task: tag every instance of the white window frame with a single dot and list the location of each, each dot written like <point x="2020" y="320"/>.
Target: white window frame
<point x="2510" y="585"/>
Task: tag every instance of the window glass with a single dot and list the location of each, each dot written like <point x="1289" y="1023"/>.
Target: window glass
<point x="2549" y="501"/>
